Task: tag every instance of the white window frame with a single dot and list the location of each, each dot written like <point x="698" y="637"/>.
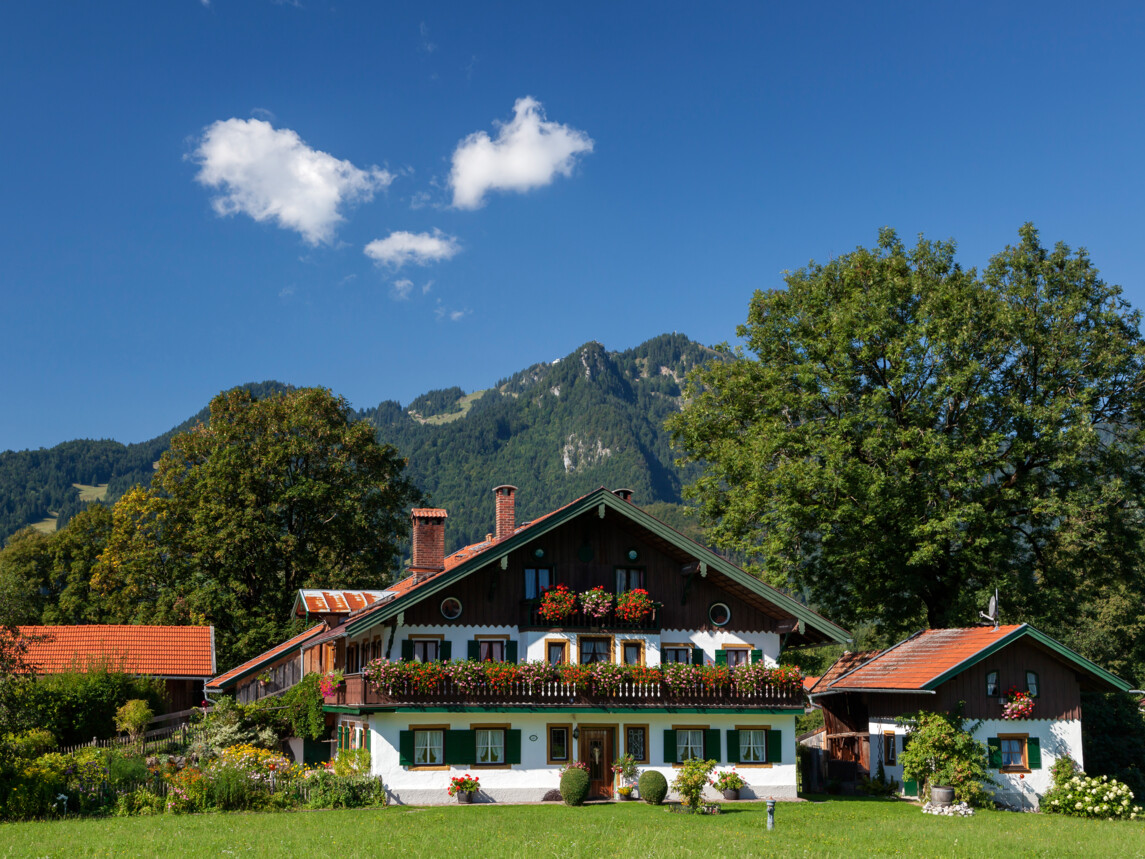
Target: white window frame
<point x="432" y="744"/>
<point x="753" y="749"/>
<point x="689" y="744"/>
<point x="491" y="743"/>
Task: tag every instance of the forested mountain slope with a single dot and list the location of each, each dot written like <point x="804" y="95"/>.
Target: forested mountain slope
<point x="556" y="431"/>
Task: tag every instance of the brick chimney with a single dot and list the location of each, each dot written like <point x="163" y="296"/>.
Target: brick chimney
<point x="623" y="494"/>
<point x="506" y="511"/>
<point x="428" y="542"/>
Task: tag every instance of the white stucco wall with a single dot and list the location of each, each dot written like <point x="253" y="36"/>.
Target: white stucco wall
<point x="533" y="777"/>
<point x="1018" y="790"/>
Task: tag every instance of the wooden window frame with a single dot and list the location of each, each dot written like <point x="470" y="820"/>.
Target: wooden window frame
<point x="1037" y="683"/>
<point x="766" y="764"/>
<point x="504" y="639"/>
<point x="642" y="568"/>
<point x="439" y="637"/>
<point x="647" y="759"/>
<point x="564" y="643"/>
<point x="538" y="588"/>
<point x="997" y="675"/>
<point x="1025" y="767"/>
<point x="430" y="767"/>
<point x="611" y="649"/>
<point x="728" y="648"/>
<point x="890" y="749"/>
<point x="504" y="728"/>
<point x="568" y="728"/>
<point x="622" y="643"/>
<point x="674" y="646"/>
<point x="703" y="729"/>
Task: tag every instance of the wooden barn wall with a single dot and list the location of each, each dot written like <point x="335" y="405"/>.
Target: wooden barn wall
<point x="496" y="596"/>
<point x="1059" y="696"/>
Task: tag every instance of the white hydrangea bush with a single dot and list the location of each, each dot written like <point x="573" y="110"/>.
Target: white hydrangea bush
<point x="1101" y="797"/>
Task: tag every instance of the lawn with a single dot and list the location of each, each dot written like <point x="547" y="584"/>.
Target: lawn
<point x="849" y="828"/>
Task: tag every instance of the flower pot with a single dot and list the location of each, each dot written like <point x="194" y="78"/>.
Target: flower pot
<point x="731" y="793"/>
<point x="465" y="796"/>
<point x="941" y="795"/>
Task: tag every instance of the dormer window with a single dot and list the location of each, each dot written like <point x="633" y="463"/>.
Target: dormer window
<point x="1032" y="683"/>
<point x="992" y="688"/>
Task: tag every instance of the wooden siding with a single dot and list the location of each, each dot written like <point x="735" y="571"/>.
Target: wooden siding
<point x="492" y="596"/>
<point x="282" y="675"/>
<point x="1059" y="695"/>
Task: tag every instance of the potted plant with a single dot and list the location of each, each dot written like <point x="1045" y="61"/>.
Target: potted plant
<point x="596" y="603"/>
<point x="557" y="604"/>
<point x="463" y="787"/>
<point x="728" y="783"/>
<point x="635" y="606"/>
<point x="1020" y="705"/>
<point x="625" y="792"/>
<point x="626" y="770"/>
<point x="330" y="683"/>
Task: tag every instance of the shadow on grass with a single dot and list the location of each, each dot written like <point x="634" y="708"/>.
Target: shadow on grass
<point x="838" y="797"/>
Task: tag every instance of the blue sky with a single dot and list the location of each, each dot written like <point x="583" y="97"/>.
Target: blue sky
<point x="389" y="198"/>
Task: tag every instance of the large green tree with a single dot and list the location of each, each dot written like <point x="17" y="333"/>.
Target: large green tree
<point x="271" y="495"/>
<point x="898" y="435"/>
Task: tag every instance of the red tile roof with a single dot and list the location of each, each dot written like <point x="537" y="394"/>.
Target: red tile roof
<point x="232" y="676"/>
<point x="920" y="659"/>
<point x="317" y="601"/>
<point x="847" y="662"/>
<point x="161" y="651"/>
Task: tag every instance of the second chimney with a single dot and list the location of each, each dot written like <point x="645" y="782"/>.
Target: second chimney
<point x="428" y="542"/>
<point x="506" y="511"/>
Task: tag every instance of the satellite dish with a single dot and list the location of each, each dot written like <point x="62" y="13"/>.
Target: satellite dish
<point x="991" y="613"/>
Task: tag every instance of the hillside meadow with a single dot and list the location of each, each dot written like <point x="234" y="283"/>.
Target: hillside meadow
<point x="838" y="827"/>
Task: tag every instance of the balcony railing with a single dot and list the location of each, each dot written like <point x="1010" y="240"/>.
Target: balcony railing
<point x="358" y="692"/>
<point x="580" y="620"/>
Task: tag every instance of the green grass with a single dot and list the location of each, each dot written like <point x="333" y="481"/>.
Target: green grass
<point x="464" y="405"/>
<point x="91" y="493"/>
<point x="844" y="828"/>
<point x="46" y="526"/>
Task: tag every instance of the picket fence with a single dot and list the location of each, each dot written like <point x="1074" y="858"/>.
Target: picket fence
<point x="157" y="740"/>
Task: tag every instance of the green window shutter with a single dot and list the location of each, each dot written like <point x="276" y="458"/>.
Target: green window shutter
<point x="369" y="736"/>
<point x="461" y="747"/>
<point x="1034" y="753"/>
<point x="697" y="656"/>
<point x="774" y="746"/>
<point x="733" y="747"/>
<point x="721" y="657"/>
<point x="475" y="650"/>
<point x="407" y="650"/>
<point x="405" y="748"/>
<point x="669" y="747"/>
<point x="511" y="651"/>
<point x="712" y="745"/>
<point x="756" y="656"/>
<point x="910" y="787"/>
<point x="446" y="650"/>
<point x="995" y="747"/>
<point x="513" y="747"/>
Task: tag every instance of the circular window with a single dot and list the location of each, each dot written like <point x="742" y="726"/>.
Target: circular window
<point x="719" y="614"/>
<point x="634" y="554"/>
<point x="451" y="608"/>
<point x="539" y="554"/>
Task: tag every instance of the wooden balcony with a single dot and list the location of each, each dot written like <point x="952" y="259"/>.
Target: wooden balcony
<point x="531" y="619"/>
<point x="357" y="692"/>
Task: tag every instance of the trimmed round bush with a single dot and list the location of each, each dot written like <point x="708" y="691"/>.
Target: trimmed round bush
<point x="574" y="786"/>
<point x="653" y="787"/>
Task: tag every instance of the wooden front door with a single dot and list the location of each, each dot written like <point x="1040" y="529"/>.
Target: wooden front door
<point x="596" y="745"/>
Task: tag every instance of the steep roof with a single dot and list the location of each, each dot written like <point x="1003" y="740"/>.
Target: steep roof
<point x="805" y="623"/>
<point x="847" y="662"/>
<point x="929" y="658"/>
<point x="158" y="651"/>
<point x="230" y="678"/>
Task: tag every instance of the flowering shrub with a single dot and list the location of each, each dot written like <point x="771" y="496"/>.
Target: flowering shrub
<point x="467" y="783"/>
<point x="727" y="780"/>
<point x="596" y="603"/>
<point x="557" y="604"/>
<point x="690" y="781"/>
<point x="1020" y="705"/>
<point x="625" y="767"/>
<point x="1078" y="795"/>
<point x="634" y="606"/>
<point x="331" y="683"/>
<point x="942" y="752"/>
<point x="574" y="765"/>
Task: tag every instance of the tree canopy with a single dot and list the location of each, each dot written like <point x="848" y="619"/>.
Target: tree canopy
<point x="271" y="495"/>
<point x="898" y="435"/>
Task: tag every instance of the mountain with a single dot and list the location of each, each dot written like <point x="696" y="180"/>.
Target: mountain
<point x="556" y="431"/>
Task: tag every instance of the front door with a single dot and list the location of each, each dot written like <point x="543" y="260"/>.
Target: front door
<point x="596" y="746"/>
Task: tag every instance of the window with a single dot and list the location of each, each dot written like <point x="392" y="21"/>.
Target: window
<point x="1032" y="683"/>
<point x="689" y="744"/>
<point x="451" y="608"/>
<point x="636" y="742"/>
<point x="428" y="748"/>
<point x="632" y="652"/>
<point x="490" y="746"/>
<point x="425" y="650"/>
<point x="753" y="746"/>
<point x="719" y="614"/>
<point x="738" y="656"/>
<point x="992" y="684"/>
<point x="1015" y="753"/>
<point x="556" y="652"/>
<point x="682" y="655"/>
<point x="629" y="579"/>
<point x="595" y="650"/>
<point x="560" y="746"/>
<point x="536" y="580"/>
<point x="491" y="651"/>
<point x="890" y="749"/>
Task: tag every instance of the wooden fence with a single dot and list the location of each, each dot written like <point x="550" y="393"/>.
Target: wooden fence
<point x="153" y="741"/>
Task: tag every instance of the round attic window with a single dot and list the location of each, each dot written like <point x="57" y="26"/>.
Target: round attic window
<point x="719" y="614"/>
<point x="634" y="554"/>
<point x="539" y="553"/>
<point x="451" y="608"/>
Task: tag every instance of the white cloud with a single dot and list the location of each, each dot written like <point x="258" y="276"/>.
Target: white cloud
<point x="426" y="45"/>
<point x="271" y="174"/>
<point x="401" y="289"/>
<point x="442" y="313"/>
<point x="528" y="153"/>
<point x="401" y="247"/>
